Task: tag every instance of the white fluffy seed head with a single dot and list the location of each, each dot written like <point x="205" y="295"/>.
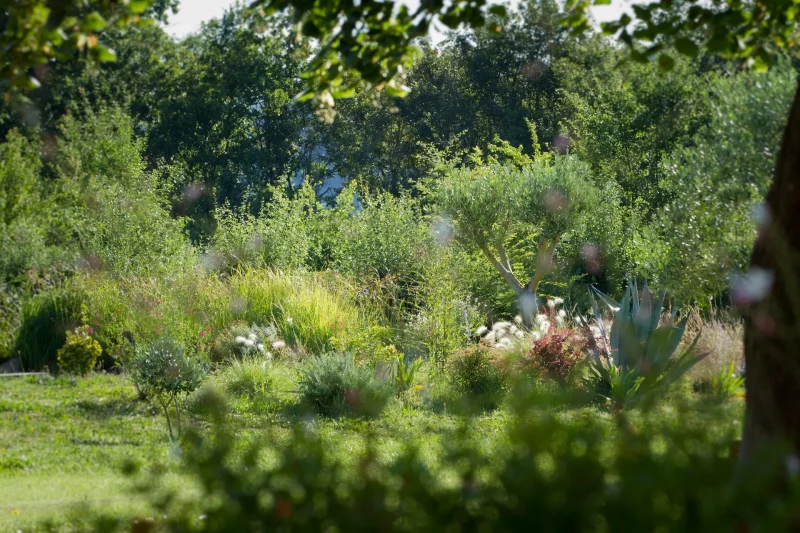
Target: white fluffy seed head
<point x="497" y="326"/>
<point x="252" y="337"/>
<point x="249" y="343"/>
<point x="240" y="340"/>
<point x="277" y="345"/>
<point x="481" y="331"/>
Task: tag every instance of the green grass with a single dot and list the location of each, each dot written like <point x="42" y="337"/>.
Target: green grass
<point x="64" y="442"/>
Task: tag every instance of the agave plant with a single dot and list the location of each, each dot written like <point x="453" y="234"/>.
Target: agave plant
<point x="615" y="386"/>
<point x="638" y="344"/>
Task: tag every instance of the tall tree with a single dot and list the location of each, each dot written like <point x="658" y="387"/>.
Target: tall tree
<point x="227" y="125"/>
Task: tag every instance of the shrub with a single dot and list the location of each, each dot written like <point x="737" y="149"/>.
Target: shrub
<point x="240" y="340"/>
<point x="334" y="384"/>
<point x="554" y="473"/>
<point x="475" y="372"/>
<point x="142" y="309"/>
<point x="109" y="203"/>
<point x="250" y="377"/>
<point x="385" y="237"/>
<point x="370" y="344"/>
<point x="80" y="352"/>
<point x="558" y="350"/>
<point x="715" y="181"/>
<point x="162" y="372"/>
<point x="558" y="353"/>
<point x="279" y="237"/>
<point x="445" y="315"/>
<point x="46" y="318"/>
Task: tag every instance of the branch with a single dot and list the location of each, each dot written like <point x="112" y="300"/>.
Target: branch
<point x="544" y="262"/>
<point x="503" y="257"/>
<point x="509" y="276"/>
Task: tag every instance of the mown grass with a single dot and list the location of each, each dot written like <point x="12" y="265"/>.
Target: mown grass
<point x="64" y="441"/>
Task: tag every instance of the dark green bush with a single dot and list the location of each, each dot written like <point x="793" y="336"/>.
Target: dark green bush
<point x="334" y="384"/>
<point x="46" y="318"/>
<point x="475" y="373"/>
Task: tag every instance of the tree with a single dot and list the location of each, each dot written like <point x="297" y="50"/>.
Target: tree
<point x="226" y="122"/>
<point x="376" y="39"/>
<point x="491" y="205"/>
<point x="718" y="181"/>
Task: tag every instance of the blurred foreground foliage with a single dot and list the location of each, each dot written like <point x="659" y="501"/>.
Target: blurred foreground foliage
<point x="650" y="474"/>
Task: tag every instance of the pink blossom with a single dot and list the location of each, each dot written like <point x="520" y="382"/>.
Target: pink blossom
<point x="202" y="333"/>
<point x="91" y="330"/>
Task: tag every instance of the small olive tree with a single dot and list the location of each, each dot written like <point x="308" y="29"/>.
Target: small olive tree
<point x="491" y="204"/>
<point x="163" y="372"/>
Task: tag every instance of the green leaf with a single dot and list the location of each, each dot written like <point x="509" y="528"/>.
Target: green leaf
<point x="344" y="93"/>
<point x="305" y="96"/>
<point x="138" y="6"/>
<point x="500" y="11"/>
<point x="666" y="62"/>
<point x="93" y="22"/>
<point x="397" y="91"/>
<point x="103" y="54"/>
<point x="686" y="47"/>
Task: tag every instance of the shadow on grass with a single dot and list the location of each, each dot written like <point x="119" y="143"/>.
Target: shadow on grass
<point x="117" y="407"/>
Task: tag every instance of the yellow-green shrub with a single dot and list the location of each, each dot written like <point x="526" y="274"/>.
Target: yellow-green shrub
<point x="80" y="353"/>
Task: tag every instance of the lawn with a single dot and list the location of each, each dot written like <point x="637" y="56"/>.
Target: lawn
<point x="64" y="442"/>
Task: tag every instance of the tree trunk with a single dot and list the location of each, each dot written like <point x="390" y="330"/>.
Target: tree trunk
<point x="772" y="327"/>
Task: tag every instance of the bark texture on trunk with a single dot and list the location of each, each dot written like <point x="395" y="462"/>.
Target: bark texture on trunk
<point x="772" y="328"/>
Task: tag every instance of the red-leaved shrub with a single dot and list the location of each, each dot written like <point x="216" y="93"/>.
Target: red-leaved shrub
<point x="559" y="351"/>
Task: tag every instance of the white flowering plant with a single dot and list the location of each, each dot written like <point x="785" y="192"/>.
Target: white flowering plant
<point x="506" y="335"/>
<point x="240" y="340"/>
